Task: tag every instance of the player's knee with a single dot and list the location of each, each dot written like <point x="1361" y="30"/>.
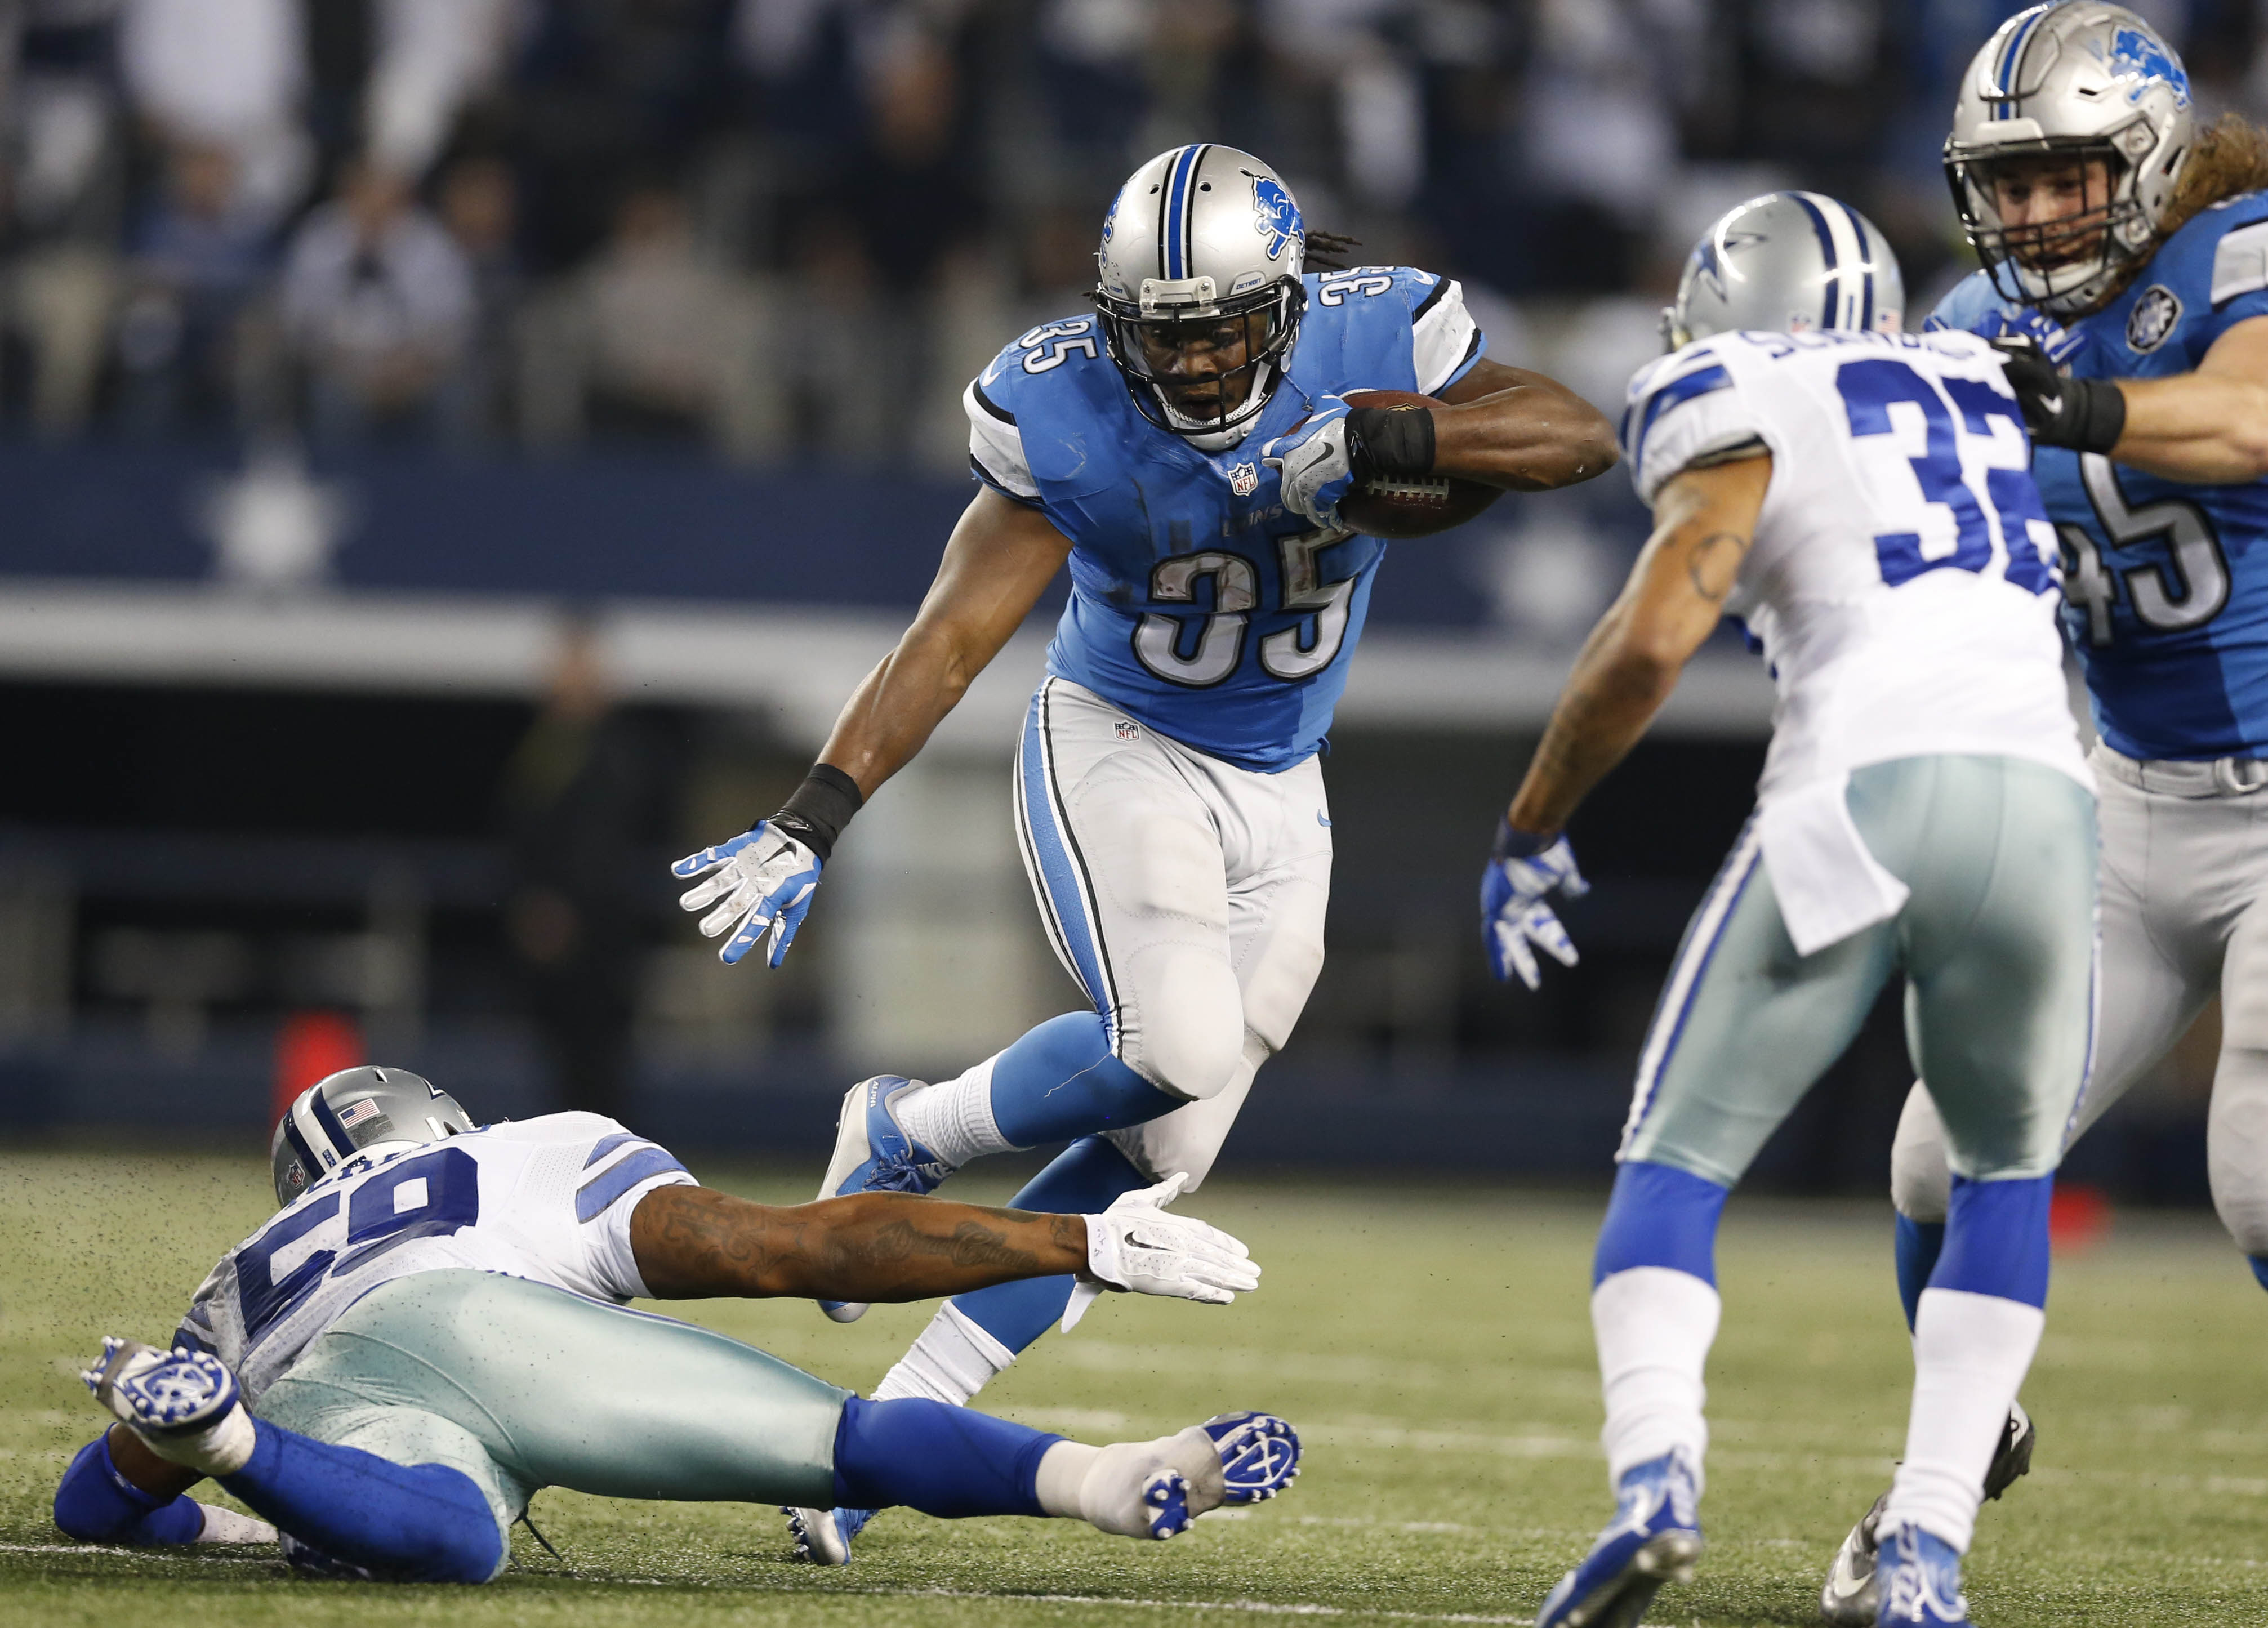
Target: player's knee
<point x="1921" y="1182"/>
<point x="1189" y="1039"/>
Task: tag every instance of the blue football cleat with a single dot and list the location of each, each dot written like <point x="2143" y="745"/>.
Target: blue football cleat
<point x="1259" y="1454"/>
<point x="873" y="1155"/>
<point x="1919" y="1580"/>
<point x="1165" y="1502"/>
<point x="1655" y="1539"/>
<point x="161" y="1394"/>
<point x="822" y="1536"/>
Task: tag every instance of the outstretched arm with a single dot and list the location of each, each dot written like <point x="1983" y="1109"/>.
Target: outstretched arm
<point x="2210" y="426"/>
<point x="1520" y="431"/>
<point x="1000" y="558"/>
<point x="692" y="1242"/>
<point x="1703" y="521"/>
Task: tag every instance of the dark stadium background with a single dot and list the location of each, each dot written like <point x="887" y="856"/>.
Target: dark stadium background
<point x="664" y="356"/>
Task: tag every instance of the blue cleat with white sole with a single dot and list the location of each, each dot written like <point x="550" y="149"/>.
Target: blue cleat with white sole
<point x="159" y="1393"/>
<point x="1919" y="1577"/>
<point x="1259" y="1454"/>
<point x="822" y="1536"/>
<point x="873" y="1155"/>
<point x="1655" y="1539"/>
<point x="1166" y="1504"/>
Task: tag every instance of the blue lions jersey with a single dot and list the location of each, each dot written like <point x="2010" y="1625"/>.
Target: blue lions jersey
<point x="2165" y="584"/>
<point x="1198" y="603"/>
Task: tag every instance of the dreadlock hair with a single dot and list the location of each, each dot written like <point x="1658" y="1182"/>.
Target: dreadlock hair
<point x="2230" y="159"/>
<point x="1327" y="251"/>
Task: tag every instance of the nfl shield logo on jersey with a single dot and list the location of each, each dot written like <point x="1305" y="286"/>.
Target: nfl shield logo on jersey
<point x="2154" y="316"/>
<point x="1129" y="731"/>
<point x="1244" y="479"/>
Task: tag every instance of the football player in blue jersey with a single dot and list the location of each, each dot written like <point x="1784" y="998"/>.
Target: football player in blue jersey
<point x="2126" y="272"/>
<point x="1184" y="447"/>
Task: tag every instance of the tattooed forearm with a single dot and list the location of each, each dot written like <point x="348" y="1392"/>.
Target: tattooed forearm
<point x="691" y="1242"/>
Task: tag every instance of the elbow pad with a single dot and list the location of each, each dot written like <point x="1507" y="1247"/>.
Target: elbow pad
<point x="96" y="1505"/>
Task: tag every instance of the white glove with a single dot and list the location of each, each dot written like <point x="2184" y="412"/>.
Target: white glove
<point x="1317" y="468"/>
<point x="765" y="877"/>
<point x="1135" y="1245"/>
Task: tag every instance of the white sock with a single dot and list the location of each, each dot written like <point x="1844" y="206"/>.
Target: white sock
<point x="1102" y="1486"/>
<point x="952" y="1361"/>
<point x="1970" y="1354"/>
<point x="1654" y="1326"/>
<point x="954" y="1117"/>
<point x="221" y="1448"/>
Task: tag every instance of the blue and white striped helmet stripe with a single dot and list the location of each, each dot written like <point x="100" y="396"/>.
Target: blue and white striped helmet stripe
<point x="1178" y="200"/>
<point x="1848" y="300"/>
<point x="320" y="1131"/>
<point x="2010" y="62"/>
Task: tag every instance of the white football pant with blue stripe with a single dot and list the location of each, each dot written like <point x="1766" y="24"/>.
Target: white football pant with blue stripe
<point x="1187" y="897"/>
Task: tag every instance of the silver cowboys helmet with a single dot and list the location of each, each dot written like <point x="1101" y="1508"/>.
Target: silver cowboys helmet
<point x="1202" y="249"/>
<point x="358" y="1111"/>
<point x="2079" y="80"/>
<point x="1787" y="262"/>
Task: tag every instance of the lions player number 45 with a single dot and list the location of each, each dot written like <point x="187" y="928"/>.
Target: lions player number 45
<point x="2187" y="592"/>
<point x="1872" y="389"/>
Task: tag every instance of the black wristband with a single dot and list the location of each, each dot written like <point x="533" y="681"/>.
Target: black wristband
<point x="1396" y="442"/>
<point x="1514" y="844"/>
<point x="2096" y="417"/>
<point x="816" y="814"/>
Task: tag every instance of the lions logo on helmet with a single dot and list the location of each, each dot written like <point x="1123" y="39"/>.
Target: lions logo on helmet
<point x="1279" y="216"/>
<point x="2136" y="55"/>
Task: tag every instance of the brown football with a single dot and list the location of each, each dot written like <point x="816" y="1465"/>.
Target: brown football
<point x="1383" y="508"/>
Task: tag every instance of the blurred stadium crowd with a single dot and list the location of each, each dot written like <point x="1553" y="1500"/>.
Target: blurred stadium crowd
<point x="795" y="226"/>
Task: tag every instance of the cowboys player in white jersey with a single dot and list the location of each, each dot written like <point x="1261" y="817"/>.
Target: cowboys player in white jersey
<point x="432" y="1328"/>
<point x="2126" y="268"/>
<point x="1858" y="498"/>
<point x="1184" y="447"/>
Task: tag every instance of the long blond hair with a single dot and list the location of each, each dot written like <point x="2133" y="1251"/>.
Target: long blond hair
<point x="2231" y="159"/>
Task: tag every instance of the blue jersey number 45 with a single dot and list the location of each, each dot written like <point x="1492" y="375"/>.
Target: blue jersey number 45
<point x="1870" y="389"/>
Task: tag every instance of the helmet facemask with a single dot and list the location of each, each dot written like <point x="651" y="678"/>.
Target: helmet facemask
<point x="2076" y="262"/>
<point x="1200" y="366"/>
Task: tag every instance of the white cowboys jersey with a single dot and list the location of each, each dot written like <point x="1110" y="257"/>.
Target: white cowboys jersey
<point x="1901" y="581"/>
<point x="547" y="1200"/>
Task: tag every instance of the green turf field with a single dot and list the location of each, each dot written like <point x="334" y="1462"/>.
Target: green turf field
<point x="1432" y="1347"/>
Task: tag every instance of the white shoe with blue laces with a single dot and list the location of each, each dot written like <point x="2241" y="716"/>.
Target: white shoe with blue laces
<point x="1919" y="1577"/>
<point x="873" y="1155"/>
<point x="1655" y="1537"/>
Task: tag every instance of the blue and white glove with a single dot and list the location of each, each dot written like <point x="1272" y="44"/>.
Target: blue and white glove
<point x="764" y="879"/>
<point x="1523" y="869"/>
<point x="1316" y="465"/>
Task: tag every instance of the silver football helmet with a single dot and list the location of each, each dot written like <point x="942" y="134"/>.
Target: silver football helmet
<point x="356" y="1110"/>
<point x="2082" y="81"/>
<point x="1199" y="288"/>
<point x="1787" y="262"/>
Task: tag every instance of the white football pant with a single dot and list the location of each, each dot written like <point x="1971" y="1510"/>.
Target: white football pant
<point x="1187" y="897"/>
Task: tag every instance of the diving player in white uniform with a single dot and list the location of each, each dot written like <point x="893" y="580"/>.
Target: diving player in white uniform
<point x="2125" y="257"/>
<point x="432" y="1329"/>
<point x="1184" y="447"/>
<point x="1857" y="498"/>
